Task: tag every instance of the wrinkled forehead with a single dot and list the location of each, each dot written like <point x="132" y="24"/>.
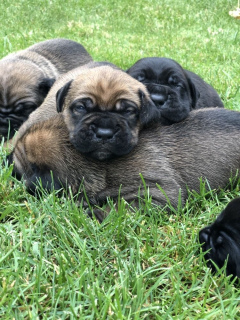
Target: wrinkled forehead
<point x="105" y="86"/>
<point x="17" y="84"/>
<point x="18" y="68"/>
<point x="16" y="74"/>
<point x="157" y="66"/>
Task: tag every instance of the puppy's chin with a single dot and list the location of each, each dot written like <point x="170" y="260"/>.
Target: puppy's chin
<point x="100" y="155"/>
<point x="101" y="150"/>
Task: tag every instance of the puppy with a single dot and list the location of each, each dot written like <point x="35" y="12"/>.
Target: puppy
<point x="170" y="158"/>
<point x="27" y="76"/>
<point x="222" y="239"/>
<point x="174" y="90"/>
<point x="103" y="107"/>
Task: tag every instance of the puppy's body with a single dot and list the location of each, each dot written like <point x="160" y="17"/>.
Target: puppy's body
<point x="222" y="237"/>
<point x="174" y="90"/>
<point x="103" y="107"/>
<point x="27" y="76"/>
<point x="206" y="145"/>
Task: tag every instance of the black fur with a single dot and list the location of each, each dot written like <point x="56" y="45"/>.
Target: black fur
<point x="149" y="113"/>
<point x="222" y="239"/>
<point x="102" y="135"/>
<point x="174" y="90"/>
<point x="60" y="96"/>
<point x="45" y="85"/>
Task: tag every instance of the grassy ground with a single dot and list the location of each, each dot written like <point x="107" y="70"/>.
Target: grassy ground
<point x="57" y="264"/>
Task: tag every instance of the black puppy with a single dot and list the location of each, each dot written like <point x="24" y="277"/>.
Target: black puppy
<point x="223" y="239"/>
<point x="174" y="90"/>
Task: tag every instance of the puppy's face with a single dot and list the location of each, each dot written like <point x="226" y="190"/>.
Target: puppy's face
<point x="104" y="110"/>
<point x="222" y="239"/>
<point x="22" y="89"/>
<point x="170" y="88"/>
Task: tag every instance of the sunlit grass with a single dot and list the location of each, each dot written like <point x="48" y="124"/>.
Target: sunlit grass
<point x="55" y="262"/>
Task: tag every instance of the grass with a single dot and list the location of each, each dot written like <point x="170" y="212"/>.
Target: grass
<point x="56" y="263"/>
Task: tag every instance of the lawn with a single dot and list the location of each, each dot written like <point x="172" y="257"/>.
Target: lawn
<point x="56" y="263"/>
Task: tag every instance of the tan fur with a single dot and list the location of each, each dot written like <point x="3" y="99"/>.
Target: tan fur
<point x="104" y="84"/>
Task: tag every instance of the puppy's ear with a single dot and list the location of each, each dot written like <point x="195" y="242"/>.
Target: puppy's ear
<point x="149" y="113"/>
<point x="61" y="94"/>
<point x="193" y="92"/>
<point x="45" y="85"/>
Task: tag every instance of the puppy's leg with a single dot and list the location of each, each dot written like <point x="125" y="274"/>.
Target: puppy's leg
<point x="43" y="178"/>
<point x="99" y="214"/>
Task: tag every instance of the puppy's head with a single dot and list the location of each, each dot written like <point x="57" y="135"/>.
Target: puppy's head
<point x="170" y="88"/>
<point x="222" y="239"/>
<point x="104" y="110"/>
<point x="23" y="88"/>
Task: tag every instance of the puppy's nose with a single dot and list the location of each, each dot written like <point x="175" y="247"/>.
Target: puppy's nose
<point x="104" y="133"/>
<point x="203" y="235"/>
<point x="158" y="98"/>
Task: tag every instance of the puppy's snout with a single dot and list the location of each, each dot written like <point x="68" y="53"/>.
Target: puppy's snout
<point x="159" y="98"/>
<point x="203" y="235"/>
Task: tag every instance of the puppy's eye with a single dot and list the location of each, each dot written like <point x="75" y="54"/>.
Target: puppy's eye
<point x="24" y="107"/>
<point x="128" y="110"/>
<point x="82" y="105"/>
<point x="219" y="240"/>
<point x="174" y="81"/>
<point x="126" y="107"/>
<point x="19" y="107"/>
<point x="79" y="108"/>
<point x="141" y="77"/>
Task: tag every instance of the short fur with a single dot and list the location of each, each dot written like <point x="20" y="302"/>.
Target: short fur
<point x="27" y="76"/>
<point x="104" y="109"/>
<point x="174" y="90"/>
<point x="222" y="239"/>
<point x="206" y="145"/>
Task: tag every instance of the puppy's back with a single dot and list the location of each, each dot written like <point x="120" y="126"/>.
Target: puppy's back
<point x="207" y="145"/>
<point x="208" y="95"/>
<point x="64" y="53"/>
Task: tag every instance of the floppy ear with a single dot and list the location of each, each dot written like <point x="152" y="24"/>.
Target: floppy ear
<point x="194" y="93"/>
<point x="45" y="85"/>
<point x="149" y="113"/>
<point x="61" y="94"/>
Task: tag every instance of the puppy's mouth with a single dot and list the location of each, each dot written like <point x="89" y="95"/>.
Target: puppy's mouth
<point x="100" y="155"/>
<point x="8" y="125"/>
<point x="12" y="118"/>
